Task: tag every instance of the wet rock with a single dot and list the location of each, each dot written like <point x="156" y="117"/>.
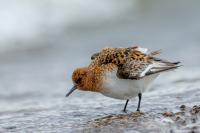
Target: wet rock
<point x="186" y="120"/>
<point x="195" y="109"/>
<point x="185" y="117"/>
<point x="180" y="113"/>
<point x="168" y="114"/>
<point x="182" y="107"/>
<point x="121" y="118"/>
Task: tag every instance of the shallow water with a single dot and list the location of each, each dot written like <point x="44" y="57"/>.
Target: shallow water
<point x="34" y="81"/>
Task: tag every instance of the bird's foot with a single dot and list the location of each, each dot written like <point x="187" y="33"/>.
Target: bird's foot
<point x="138" y="110"/>
<point x="124" y="111"/>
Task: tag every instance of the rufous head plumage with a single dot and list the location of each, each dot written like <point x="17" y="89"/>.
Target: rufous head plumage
<point x="79" y="76"/>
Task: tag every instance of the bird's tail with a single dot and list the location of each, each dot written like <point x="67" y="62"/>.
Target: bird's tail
<point x="161" y="65"/>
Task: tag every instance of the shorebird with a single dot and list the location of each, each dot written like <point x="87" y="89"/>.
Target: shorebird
<point x="121" y="73"/>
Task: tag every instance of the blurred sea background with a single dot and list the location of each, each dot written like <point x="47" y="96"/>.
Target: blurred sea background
<point x="42" y="42"/>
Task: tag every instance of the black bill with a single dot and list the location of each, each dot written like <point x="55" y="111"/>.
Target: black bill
<point x="70" y="92"/>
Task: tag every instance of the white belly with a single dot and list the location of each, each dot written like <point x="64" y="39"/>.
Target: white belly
<point x="125" y="88"/>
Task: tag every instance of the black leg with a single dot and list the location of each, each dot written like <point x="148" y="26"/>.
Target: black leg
<point x="140" y="97"/>
<point x="126" y="105"/>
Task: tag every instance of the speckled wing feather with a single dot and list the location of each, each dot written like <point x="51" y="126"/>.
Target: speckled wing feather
<point x="134" y="69"/>
<point x="118" y="56"/>
<point x="132" y="62"/>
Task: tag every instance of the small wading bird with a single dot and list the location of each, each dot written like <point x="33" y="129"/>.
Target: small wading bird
<point x="121" y="73"/>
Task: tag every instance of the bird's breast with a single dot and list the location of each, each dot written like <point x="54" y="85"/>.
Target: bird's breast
<point x="124" y="88"/>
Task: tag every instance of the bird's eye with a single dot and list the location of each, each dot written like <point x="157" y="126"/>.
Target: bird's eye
<point x="78" y="80"/>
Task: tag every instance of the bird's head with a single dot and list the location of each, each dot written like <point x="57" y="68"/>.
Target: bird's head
<point x="79" y="78"/>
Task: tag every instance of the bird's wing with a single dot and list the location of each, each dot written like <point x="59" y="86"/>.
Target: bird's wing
<point x="128" y="50"/>
<point x="135" y="69"/>
<point x="117" y="56"/>
<point x="132" y="62"/>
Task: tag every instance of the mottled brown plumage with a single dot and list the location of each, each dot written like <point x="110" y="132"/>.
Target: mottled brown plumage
<point x="132" y="62"/>
<point x="118" y="56"/>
